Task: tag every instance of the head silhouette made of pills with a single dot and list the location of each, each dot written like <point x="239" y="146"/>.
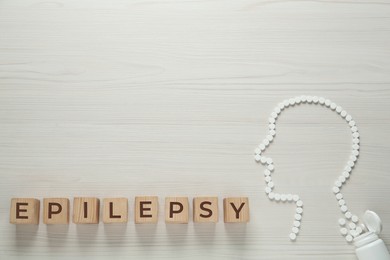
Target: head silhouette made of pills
<point x="349" y="222"/>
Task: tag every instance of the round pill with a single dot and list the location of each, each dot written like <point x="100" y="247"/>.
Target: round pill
<point x="339" y="196"/>
<point x="298" y="100"/>
<point x="309" y="99"/>
<point x="277" y="110"/>
<point x="341" y="202"/>
<point x="321" y="100"/>
<point x="346" y="174"/>
<point x="299" y="203"/>
<point x="344" y="231"/>
<point x="271" y="184"/>
<point x="297" y="223"/>
<point x="299" y="210"/>
<point x="336" y="189"/>
<point x="267" y="173"/>
<point x="263" y="159"/>
<point x="352" y="225"/>
<point x="338" y="109"/>
<point x="257" y="150"/>
<point x="304" y="98"/>
<point x="272" y="126"/>
<point x="271" y="120"/>
<point x="327" y="102"/>
<point x="315" y="99"/>
<point x="348" y="215"/>
<point x="337" y="184"/>
<point x="277" y="197"/>
<point x="354" y="218"/>
<point x="286" y="103"/>
<point x="270" y="138"/>
<point x="344" y="208"/>
<point x="289" y="197"/>
<point x="268" y="178"/>
<point x="348" y="168"/>
<point x="270" y="167"/>
<point x="352" y="123"/>
<point x="269" y="160"/>
<point x="342" y="179"/>
<point x="274" y="115"/>
<point x="266" y="142"/>
<point x="342" y="221"/>
<point x="293" y="236"/>
<point x="272" y="132"/>
<point x="353" y="158"/>
<point x="283" y="197"/>
<point x="351" y="164"/>
<point x="353" y="233"/>
<point x="343" y="113"/>
<point x="354" y="129"/>
<point x="271" y="195"/>
<point x="262" y="147"/>
<point x="295" y="197"/>
<point x="257" y="157"/>
<point x="333" y="106"/>
<point x="298" y="216"/>
<point x="348" y="118"/>
<point x="295" y="230"/>
<point x="359" y="230"/>
<point x="349" y="238"/>
<point x="268" y="190"/>
<point x="291" y="101"/>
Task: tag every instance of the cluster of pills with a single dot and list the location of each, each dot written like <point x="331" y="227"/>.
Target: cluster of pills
<point x="349" y="222"/>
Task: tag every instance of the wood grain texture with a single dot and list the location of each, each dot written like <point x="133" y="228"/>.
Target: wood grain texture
<point x="170" y="98"/>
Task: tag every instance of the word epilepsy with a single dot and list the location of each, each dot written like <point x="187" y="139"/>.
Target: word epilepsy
<point x="86" y="210"/>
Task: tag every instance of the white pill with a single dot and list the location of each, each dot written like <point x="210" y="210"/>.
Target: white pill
<point x="348" y="168"/>
<point x="353" y="158"/>
<point x="267" y="173"/>
<point x="342" y="221"/>
<point x="315" y="99"/>
<point x="299" y="203"/>
<point x="271" y="120"/>
<point x="339" y="109"/>
<point x="346" y="174"/>
<point x="257" y="157"/>
<point x="337" y="184"/>
<point x="309" y="99"/>
<point x="336" y="190"/>
<point x="341" y="202"/>
<point x="356" y="134"/>
<point x="272" y="132"/>
<point x="286" y="103"/>
<point x="343" y="113"/>
<point x="293" y="236"/>
<point x="270" y="167"/>
<point x="271" y="195"/>
<point x="281" y="106"/>
<point x="342" y="179"/>
<point x="289" y="197"/>
<point x="274" y="115"/>
<point x="348" y="118"/>
<point x="348" y="215"/>
<point x="349" y="238"/>
<point x="304" y="99"/>
<point x="291" y="101"/>
<point x="355" y="218"/>
<point x="297" y="223"/>
<point x="353" y="233"/>
<point x="327" y="102"/>
<point x="262" y="147"/>
<point x="352" y="225"/>
<point x="356" y="140"/>
<point x="354" y="129"/>
<point x="263" y="159"/>
<point x="352" y="123"/>
<point x="343" y="231"/>
<point x="277" y="197"/>
<point x="344" y="208"/>
<point x="321" y="100"/>
<point x="269" y="160"/>
<point x="298" y="100"/>
<point x="266" y="142"/>
<point x="333" y="106"/>
<point x="272" y="126"/>
<point x="268" y="190"/>
<point x="268" y="179"/>
<point x="277" y="110"/>
<point x="295" y="230"/>
<point x="283" y="197"/>
<point x="359" y="230"/>
<point x="298" y="216"/>
<point x="299" y="210"/>
<point x="351" y="164"/>
<point x="355" y="152"/>
<point x="257" y="150"/>
<point x="270" y="138"/>
<point x="271" y="184"/>
<point x="339" y="196"/>
<point x="295" y="197"/>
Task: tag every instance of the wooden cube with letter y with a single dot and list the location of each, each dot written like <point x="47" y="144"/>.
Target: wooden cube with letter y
<point x="236" y="210"/>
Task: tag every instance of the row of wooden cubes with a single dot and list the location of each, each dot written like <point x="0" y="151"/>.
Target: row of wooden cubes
<point x="115" y="210"/>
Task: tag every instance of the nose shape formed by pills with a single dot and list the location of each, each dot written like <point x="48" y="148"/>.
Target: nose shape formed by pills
<point x="350" y="229"/>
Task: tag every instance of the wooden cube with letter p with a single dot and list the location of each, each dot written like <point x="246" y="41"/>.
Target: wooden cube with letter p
<point x="56" y="211"/>
<point x="24" y="211"/>
<point x="236" y="210"/>
<point x="86" y="210"/>
<point x="176" y="210"/>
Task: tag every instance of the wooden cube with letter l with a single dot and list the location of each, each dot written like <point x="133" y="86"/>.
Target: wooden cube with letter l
<point x="115" y="210"/>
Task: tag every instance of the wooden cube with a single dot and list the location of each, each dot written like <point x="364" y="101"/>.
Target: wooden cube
<point x="115" y="210"/>
<point x="86" y="210"/>
<point x="205" y="209"/>
<point x="236" y="210"/>
<point x="176" y="210"/>
<point x="146" y="209"/>
<point x="56" y="211"/>
<point x="24" y="211"/>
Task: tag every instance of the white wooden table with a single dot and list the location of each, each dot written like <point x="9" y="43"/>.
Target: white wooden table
<point x="126" y="98"/>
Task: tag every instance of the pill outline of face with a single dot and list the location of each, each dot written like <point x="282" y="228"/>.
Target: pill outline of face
<point x="340" y="180"/>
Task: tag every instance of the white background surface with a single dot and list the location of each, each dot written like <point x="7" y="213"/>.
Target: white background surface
<point x="126" y="98"/>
